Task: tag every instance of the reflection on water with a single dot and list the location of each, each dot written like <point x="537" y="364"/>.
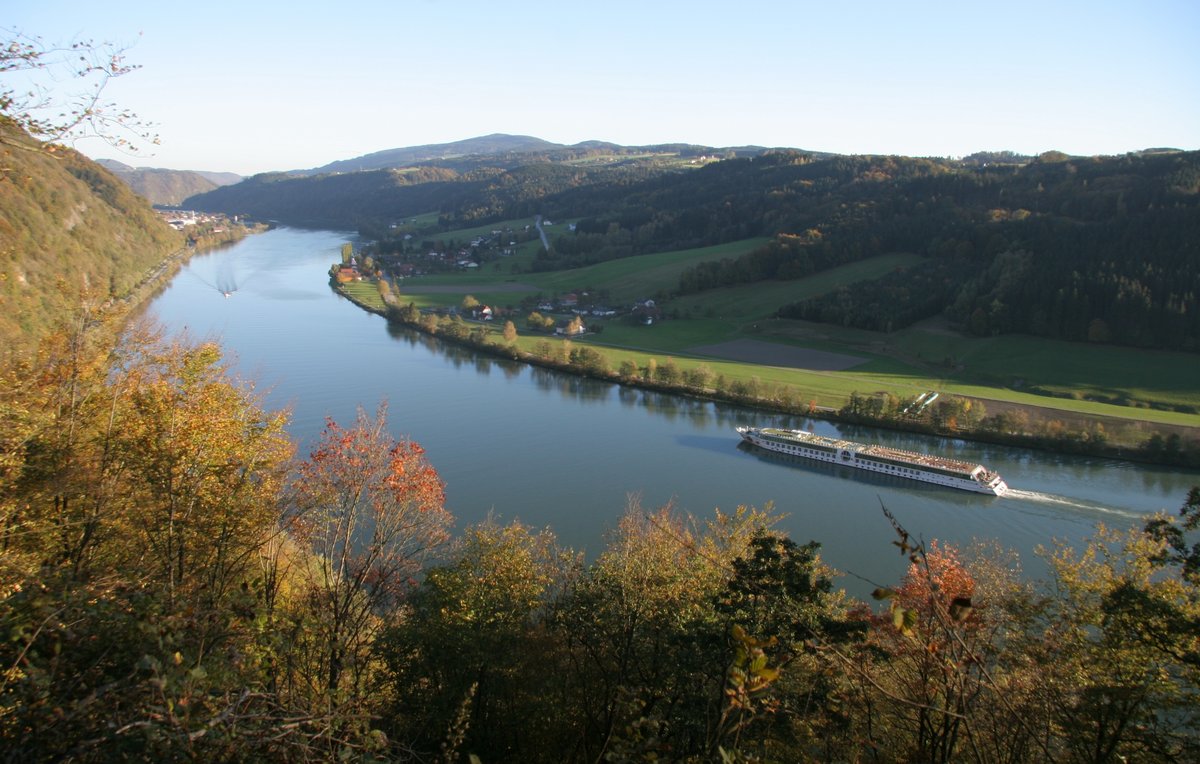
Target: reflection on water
<point x="564" y="452"/>
<point x="842" y="472"/>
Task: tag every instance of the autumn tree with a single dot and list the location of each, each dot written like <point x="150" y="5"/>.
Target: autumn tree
<point x="52" y="472"/>
<point x="473" y="633"/>
<point x="1119" y="650"/>
<point x="667" y="372"/>
<point x="510" y="332"/>
<point x="648" y="650"/>
<point x="926" y="669"/>
<point x="539" y="323"/>
<point x="937" y="681"/>
<point x="371" y="508"/>
<point x="698" y="377"/>
<point x="204" y="461"/>
<point x="147" y="492"/>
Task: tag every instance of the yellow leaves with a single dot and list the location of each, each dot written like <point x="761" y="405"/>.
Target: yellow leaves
<point x="904" y="620"/>
<point x="749" y="677"/>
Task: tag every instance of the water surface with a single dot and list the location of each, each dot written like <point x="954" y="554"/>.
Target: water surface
<point x="555" y="450"/>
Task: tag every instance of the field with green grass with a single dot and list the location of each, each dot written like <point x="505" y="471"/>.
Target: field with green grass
<point x="365" y="293"/>
<point x="1075" y="378"/>
<point x="623" y="280"/>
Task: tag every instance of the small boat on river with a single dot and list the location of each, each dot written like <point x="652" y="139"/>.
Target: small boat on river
<point x="876" y="458"/>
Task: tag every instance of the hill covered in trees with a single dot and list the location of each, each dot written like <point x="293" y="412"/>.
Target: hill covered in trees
<point x="497" y="143"/>
<point x="1099" y="249"/>
<point x="69" y="231"/>
<point x="503" y="174"/>
<point x="167" y="187"/>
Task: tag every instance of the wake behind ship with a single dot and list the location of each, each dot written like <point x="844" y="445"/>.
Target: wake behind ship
<point x="875" y="458"/>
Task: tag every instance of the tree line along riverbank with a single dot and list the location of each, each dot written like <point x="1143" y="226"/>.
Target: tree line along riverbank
<point x="968" y="418"/>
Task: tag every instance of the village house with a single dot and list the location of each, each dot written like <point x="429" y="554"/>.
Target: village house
<point x="646" y="312"/>
<point x="570" y="328"/>
<point x="347" y="273"/>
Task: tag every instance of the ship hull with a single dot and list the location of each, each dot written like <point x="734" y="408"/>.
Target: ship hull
<point x="881" y="459"/>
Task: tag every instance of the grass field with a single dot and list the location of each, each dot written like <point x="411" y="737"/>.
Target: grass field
<point x="1083" y="379"/>
<point x="624" y="280"/>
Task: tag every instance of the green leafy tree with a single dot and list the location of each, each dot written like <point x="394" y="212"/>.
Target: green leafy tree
<point x="589" y="359"/>
<point x="668" y="372"/>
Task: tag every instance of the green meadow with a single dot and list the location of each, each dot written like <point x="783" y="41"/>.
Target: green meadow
<point x="1087" y="379"/>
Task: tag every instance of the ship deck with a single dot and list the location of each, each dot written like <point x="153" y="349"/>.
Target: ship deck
<point x="942" y="463"/>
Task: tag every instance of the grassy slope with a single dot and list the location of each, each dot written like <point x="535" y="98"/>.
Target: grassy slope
<point x="916" y="359"/>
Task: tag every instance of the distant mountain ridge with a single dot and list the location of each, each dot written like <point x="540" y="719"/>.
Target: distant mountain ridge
<point x="479" y="173"/>
<point x="496" y="143"/>
<point x="165" y="187"/>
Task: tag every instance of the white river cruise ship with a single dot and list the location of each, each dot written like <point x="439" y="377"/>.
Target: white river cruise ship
<point x="874" y="458"/>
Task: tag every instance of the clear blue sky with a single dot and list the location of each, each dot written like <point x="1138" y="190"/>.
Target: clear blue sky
<point x="253" y="86"/>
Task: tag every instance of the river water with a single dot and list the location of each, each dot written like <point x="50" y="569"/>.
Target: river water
<point x="555" y="450"/>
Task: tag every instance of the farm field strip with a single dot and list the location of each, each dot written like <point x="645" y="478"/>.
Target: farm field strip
<point x="1074" y="377"/>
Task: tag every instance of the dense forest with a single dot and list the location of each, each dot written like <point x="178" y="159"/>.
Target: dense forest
<point x="511" y="178"/>
<point x="70" y="230"/>
<point x="1098" y="249"/>
<point x="1101" y="249"/>
<point x="175" y="584"/>
<point x="167" y="188"/>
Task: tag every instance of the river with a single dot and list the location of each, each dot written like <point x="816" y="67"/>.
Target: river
<point x="559" y="451"/>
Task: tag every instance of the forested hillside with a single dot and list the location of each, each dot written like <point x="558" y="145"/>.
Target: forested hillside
<point x="166" y="187"/>
<point x="68" y="229"/>
<point x="497" y="143"/>
<point x="504" y="178"/>
<point x="1100" y="249"/>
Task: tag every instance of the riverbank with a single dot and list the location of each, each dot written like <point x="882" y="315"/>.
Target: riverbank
<point x="158" y="277"/>
<point x="1011" y="424"/>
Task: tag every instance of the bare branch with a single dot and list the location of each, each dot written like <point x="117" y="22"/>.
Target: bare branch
<point x="55" y="93"/>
